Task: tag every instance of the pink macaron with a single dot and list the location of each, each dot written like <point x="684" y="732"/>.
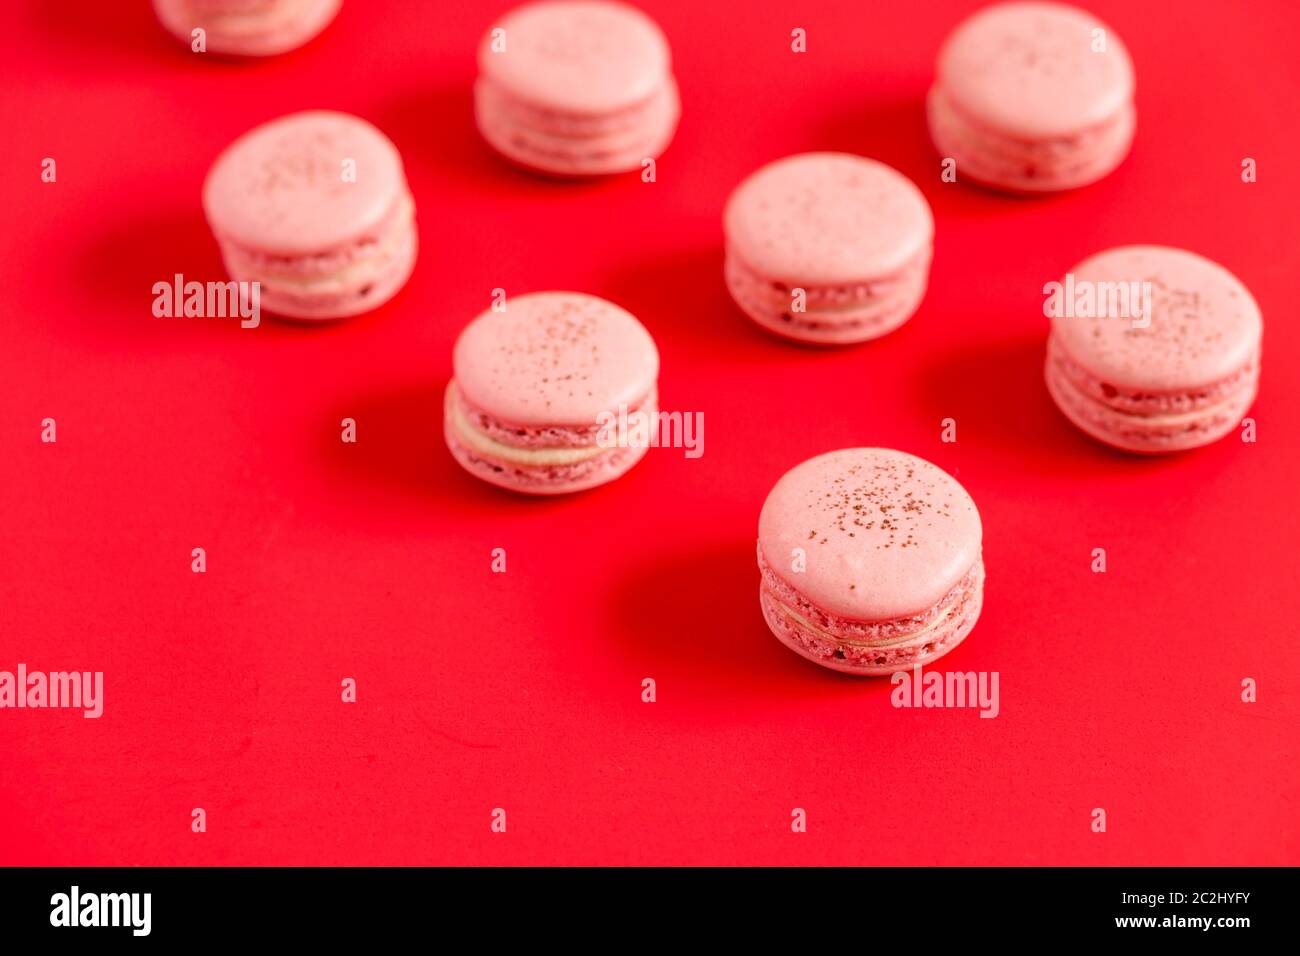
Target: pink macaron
<point x="314" y="206"/>
<point x="534" y="384"/>
<point x="1153" y="349"/>
<point x="828" y="248"/>
<point x="1032" y="98"/>
<point x="870" y="561"/>
<point x="576" y="88"/>
<point x="247" y="27"/>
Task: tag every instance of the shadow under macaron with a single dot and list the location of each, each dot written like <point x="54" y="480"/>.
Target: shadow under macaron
<point x="897" y="133"/>
<point x="91" y="27"/>
<point x="691" y="620"/>
<point x="133" y="31"/>
<point x="399" y="449"/>
<point x="118" y="268"/>
<point x="996" y="395"/>
<point x="435" y="130"/>
<point x="682" y="298"/>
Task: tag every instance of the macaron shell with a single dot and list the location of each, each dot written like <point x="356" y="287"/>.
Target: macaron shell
<point x="560" y="480"/>
<point x="377" y="282"/>
<point x="865" y="660"/>
<point x="577" y="56"/>
<point x="888" y="306"/>
<point x="304" y="182"/>
<point x="618" y="149"/>
<point x="601" y="472"/>
<point x="1149" y="435"/>
<point x="826" y="219"/>
<point x="1030" y="70"/>
<point x="884" y="534"/>
<point x="510" y="110"/>
<point x="1204" y="326"/>
<point x="555" y="358"/>
<point x="258" y="28"/>
<point x="1015" y="166"/>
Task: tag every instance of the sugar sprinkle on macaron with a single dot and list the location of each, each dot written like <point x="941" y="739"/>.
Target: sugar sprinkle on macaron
<point x="315" y="207"/>
<point x="1033" y="97"/>
<point x="531" y="386"/>
<point x="870" y="561"/>
<point x="1176" y="372"/>
<point x="576" y="88"/>
<point x="828" y="248"/>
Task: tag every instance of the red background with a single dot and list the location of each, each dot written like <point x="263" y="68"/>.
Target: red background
<point x="522" y="690"/>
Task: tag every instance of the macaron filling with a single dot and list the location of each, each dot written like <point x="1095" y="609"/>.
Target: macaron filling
<point x="636" y="117"/>
<point x="530" y="454"/>
<point x="349" y="278"/>
<point x="563" y="142"/>
<point x="990" y="155"/>
<point x="247" y="19"/>
<point x="1142" y="420"/>
<point x="869" y="645"/>
<point x="1147" y="403"/>
<point x="857" y="308"/>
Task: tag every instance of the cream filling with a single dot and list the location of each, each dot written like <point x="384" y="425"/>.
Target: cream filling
<point x="528" y="457"/>
<point x="1224" y="404"/>
<point x="386" y="248"/>
<point x="1185" y="418"/>
<point x="901" y="639"/>
<point x="870" y="309"/>
<point x="258" y="21"/>
<point x="886" y="292"/>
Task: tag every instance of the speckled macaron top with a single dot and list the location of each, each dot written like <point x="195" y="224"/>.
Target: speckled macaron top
<point x="555" y="358"/>
<point x="827" y="219"/>
<point x="304" y="182"/>
<point x="576" y="56"/>
<point x="884" y="534"/>
<point x="1036" y="70"/>
<point x="1204" y="324"/>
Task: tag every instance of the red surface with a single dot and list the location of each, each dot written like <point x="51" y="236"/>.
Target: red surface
<point x="522" y="690"/>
